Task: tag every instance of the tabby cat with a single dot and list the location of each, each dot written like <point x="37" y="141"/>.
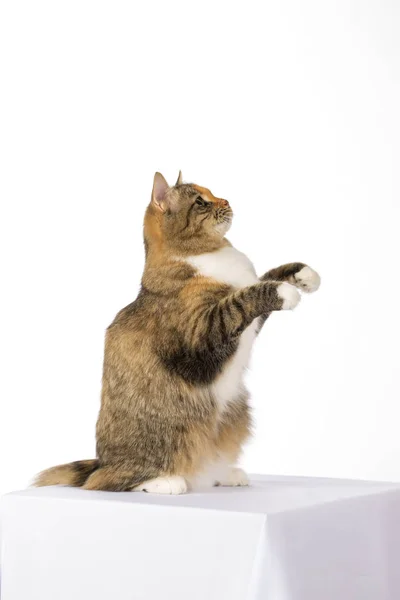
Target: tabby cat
<point x="174" y="410"/>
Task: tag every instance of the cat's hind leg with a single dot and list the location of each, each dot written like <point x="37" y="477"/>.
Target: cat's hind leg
<point x="123" y="478"/>
<point x="233" y="477"/>
<point x="235" y="429"/>
<point x="117" y="478"/>
<point x="173" y="484"/>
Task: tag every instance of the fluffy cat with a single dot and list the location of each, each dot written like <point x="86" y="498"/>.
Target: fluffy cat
<point x="174" y="410"/>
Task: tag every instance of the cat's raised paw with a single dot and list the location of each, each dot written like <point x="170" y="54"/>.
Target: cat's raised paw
<point x="175" y="484"/>
<point x="289" y="295"/>
<point x="307" y="280"/>
<point x="235" y="477"/>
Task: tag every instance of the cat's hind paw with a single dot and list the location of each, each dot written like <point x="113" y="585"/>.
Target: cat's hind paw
<point x="235" y="477"/>
<point x="175" y="484"/>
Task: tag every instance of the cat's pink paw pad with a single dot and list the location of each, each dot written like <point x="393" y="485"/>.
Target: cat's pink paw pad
<point x="289" y="295"/>
<point x="307" y="280"/>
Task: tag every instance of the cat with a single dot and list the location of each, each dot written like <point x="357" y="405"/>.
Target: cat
<point x="174" y="409"/>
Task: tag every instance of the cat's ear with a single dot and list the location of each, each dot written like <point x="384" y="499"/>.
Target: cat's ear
<point x="158" y="196"/>
<point x="179" y="180"/>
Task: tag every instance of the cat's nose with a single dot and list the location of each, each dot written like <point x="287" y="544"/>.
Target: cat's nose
<point x="224" y="203"/>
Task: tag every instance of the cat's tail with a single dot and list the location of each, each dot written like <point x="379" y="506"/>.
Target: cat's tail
<point x="74" y="474"/>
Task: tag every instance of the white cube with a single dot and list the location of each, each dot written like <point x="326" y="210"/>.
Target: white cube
<point x="280" y="539"/>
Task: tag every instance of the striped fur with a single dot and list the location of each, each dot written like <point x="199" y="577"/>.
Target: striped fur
<point x="191" y="327"/>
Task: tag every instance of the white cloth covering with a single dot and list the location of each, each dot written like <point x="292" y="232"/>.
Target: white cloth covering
<point x="280" y="539"/>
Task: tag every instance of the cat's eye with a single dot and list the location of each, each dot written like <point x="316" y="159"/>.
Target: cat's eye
<point x="200" y="201"/>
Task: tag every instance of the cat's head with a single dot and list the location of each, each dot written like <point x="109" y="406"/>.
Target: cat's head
<point x="185" y="217"/>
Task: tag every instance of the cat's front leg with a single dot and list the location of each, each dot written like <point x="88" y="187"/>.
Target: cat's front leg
<point x="298" y="274"/>
<point x="227" y="319"/>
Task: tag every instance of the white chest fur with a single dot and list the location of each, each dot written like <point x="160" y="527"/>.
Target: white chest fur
<point x="227" y="265"/>
<point x="230" y="266"/>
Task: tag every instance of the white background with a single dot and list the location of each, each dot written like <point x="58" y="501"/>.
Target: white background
<point x="288" y="109"/>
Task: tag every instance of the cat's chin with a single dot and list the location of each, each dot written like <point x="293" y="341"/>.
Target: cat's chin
<point x="223" y="228"/>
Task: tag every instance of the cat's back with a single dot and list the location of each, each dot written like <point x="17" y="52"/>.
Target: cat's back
<point x="140" y="327"/>
<point x="135" y="315"/>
